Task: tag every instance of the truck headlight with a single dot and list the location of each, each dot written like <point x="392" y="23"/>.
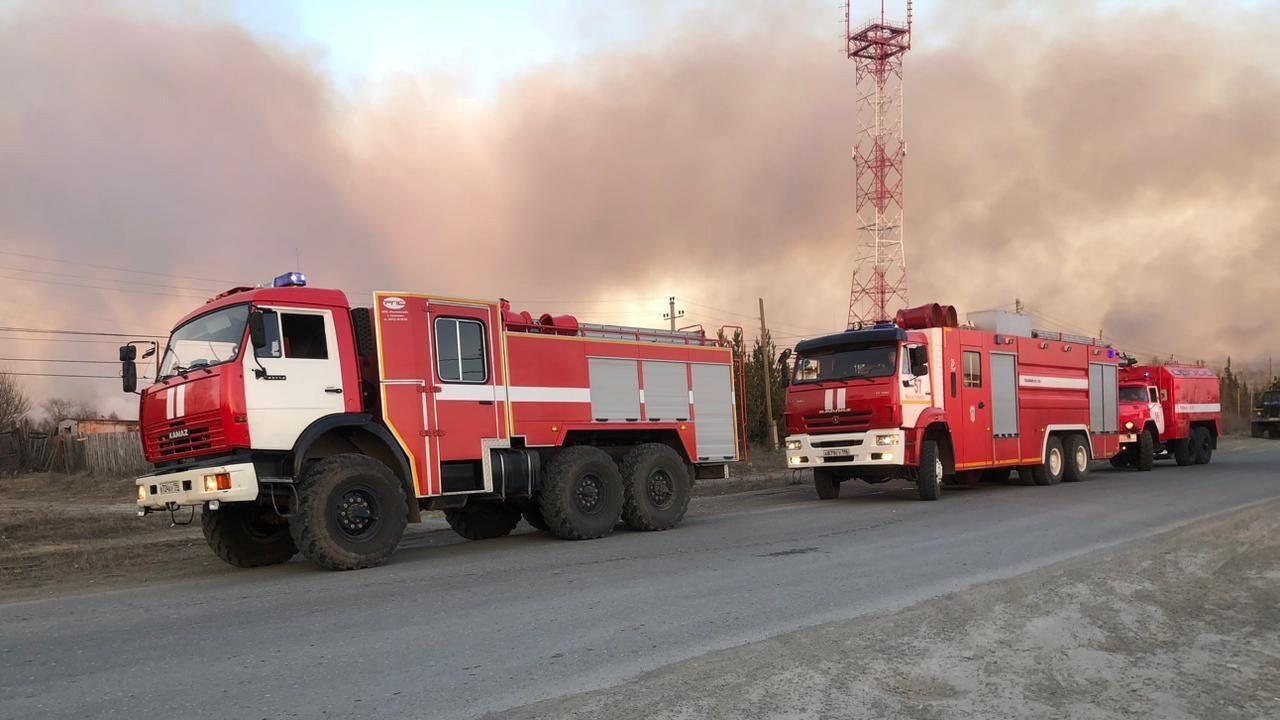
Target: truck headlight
<point x="793" y="444"/>
<point x="886" y="439"/>
<point x="142" y="493"/>
<point x="1128" y="425"/>
<point x="216" y="482"/>
<point x="797" y="460"/>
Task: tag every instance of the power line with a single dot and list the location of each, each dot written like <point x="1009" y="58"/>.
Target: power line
<point x="64" y="340"/>
<point x="58" y="360"/>
<point x="51" y="331"/>
<point x="62" y="375"/>
<point x="98" y="287"/>
<point x="118" y="269"/>
<point x="102" y="279"/>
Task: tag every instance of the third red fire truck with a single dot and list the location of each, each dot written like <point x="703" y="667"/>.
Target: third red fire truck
<point x="1168" y="408"/>
<point x="293" y="422"/>
<point x="925" y="400"/>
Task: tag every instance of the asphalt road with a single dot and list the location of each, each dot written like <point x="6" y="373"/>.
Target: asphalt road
<point x="458" y="629"/>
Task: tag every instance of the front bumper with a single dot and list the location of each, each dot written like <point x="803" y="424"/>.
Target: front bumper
<point x="846" y="449"/>
<point x="163" y="490"/>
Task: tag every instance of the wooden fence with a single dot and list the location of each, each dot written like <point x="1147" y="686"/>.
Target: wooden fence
<point x="107" y="454"/>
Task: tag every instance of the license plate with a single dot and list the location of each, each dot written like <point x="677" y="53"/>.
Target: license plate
<point x="168" y="487"/>
<point x="1128" y="438"/>
<point x="837" y="452"/>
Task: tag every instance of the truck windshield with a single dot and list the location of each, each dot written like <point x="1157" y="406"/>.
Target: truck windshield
<point x="847" y="364"/>
<point x="205" y="341"/>
<point x="1270" y="398"/>
<point x="1133" y="394"/>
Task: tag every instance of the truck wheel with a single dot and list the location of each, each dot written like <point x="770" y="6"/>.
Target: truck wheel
<point x="1050" y="471"/>
<point x="533" y="514"/>
<point x="247" y="535"/>
<point x="824" y="481"/>
<point x="655" y="485"/>
<point x="487" y="520"/>
<point x="1076" y="452"/>
<point x="1183" y="450"/>
<point x="1203" y="445"/>
<point x="350" y="514"/>
<point x="1146" y="451"/>
<point x="582" y="494"/>
<point x="929" y="474"/>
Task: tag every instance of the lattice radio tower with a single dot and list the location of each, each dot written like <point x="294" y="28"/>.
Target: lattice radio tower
<point x="879" y="267"/>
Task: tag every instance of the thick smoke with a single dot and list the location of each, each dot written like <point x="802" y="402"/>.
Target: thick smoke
<point x="1111" y="168"/>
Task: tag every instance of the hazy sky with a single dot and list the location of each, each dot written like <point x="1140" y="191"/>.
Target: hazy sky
<point x="1098" y="160"/>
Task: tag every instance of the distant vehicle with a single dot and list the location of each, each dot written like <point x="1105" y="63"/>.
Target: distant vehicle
<point x="927" y="401"/>
<point x="1174" y="409"/>
<point x="1266" y="414"/>
<point x="294" y="422"/>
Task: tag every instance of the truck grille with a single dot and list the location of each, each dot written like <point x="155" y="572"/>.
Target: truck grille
<point x="847" y="421"/>
<point x="185" y="437"/>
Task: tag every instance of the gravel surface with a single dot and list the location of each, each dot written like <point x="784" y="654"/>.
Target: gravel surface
<point x="1185" y="624"/>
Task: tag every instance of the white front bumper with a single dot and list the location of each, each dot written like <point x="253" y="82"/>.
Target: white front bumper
<point x="186" y="487"/>
<point x="845" y="449"/>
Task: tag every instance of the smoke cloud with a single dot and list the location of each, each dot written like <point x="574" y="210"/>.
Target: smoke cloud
<point x="1109" y="167"/>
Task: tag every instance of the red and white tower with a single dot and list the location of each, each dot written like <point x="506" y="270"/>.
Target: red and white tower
<point x="879" y="267"/>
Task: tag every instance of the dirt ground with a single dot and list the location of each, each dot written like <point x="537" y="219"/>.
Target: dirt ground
<point x="1181" y="625"/>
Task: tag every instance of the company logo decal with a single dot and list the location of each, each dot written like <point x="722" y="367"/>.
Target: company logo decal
<point x="393" y="303"/>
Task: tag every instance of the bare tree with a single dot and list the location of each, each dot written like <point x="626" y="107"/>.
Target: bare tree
<point x="57" y="409"/>
<point x="14" y="404"/>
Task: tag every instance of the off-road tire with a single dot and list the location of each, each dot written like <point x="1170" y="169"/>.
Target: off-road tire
<point x="929" y="474"/>
<point x="1146" y="451"/>
<point x="1202" y="440"/>
<point x="656" y="487"/>
<point x="997" y="475"/>
<point x="582" y="494"/>
<point x="1183" y="451"/>
<point x="1044" y="474"/>
<point x="826" y="484"/>
<point x="533" y="514"/>
<point x="1076" y="468"/>
<point x="242" y="535"/>
<point x="485" y="521"/>
<point x="343" y="489"/>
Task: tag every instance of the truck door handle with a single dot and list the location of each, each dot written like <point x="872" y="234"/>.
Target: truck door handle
<point x="981" y="405"/>
<point x="334" y="390"/>
<point x="485" y="402"/>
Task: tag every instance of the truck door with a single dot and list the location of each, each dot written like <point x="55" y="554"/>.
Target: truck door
<point x="303" y="379"/>
<point x="975" y="403"/>
<point x="467" y="397"/>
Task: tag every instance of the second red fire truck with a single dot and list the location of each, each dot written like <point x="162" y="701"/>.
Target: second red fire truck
<point x="1168" y="408"/>
<point x="293" y="422"/>
<point x="925" y="400"/>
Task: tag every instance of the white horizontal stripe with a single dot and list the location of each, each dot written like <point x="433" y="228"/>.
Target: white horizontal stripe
<point x="1197" y="407"/>
<point x="466" y="392"/>
<point x="1053" y="383"/>
<point x="549" y="394"/>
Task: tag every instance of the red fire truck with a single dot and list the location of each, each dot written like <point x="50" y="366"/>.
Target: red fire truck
<point x="297" y="423"/>
<point x="925" y="400"/>
<point x="1168" y="408"/>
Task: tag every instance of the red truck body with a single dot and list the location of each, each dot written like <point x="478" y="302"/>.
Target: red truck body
<point x="988" y="399"/>
<point x="1177" y="406"/>
<point x="465" y="405"/>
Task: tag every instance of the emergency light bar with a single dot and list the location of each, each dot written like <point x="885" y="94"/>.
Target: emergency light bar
<point x="290" y="279"/>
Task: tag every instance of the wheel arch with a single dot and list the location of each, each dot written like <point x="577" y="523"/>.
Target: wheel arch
<point x="355" y="433"/>
<point x="940" y="432"/>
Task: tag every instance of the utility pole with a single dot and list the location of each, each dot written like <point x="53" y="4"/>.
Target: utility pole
<point x="671" y="313"/>
<point x="1017" y="305"/>
<point x="768" y="385"/>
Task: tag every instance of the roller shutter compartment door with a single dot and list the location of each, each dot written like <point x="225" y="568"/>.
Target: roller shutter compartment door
<point x="1004" y="395"/>
<point x="615" y="390"/>
<point x="666" y="391"/>
<point x="713" y="412"/>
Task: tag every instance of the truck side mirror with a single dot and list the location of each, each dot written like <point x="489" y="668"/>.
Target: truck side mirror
<point x="919" y="356"/>
<point x="128" y="352"/>
<point x="257" y="329"/>
<point x="129" y="376"/>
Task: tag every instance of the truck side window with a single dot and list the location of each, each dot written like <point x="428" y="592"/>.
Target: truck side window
<point x="1152" y="393"/>
<point x="972" y="369"/>
<point x="271" y="323"/>
<point x="460" y="354"/>
<point x="304" y="336"/>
